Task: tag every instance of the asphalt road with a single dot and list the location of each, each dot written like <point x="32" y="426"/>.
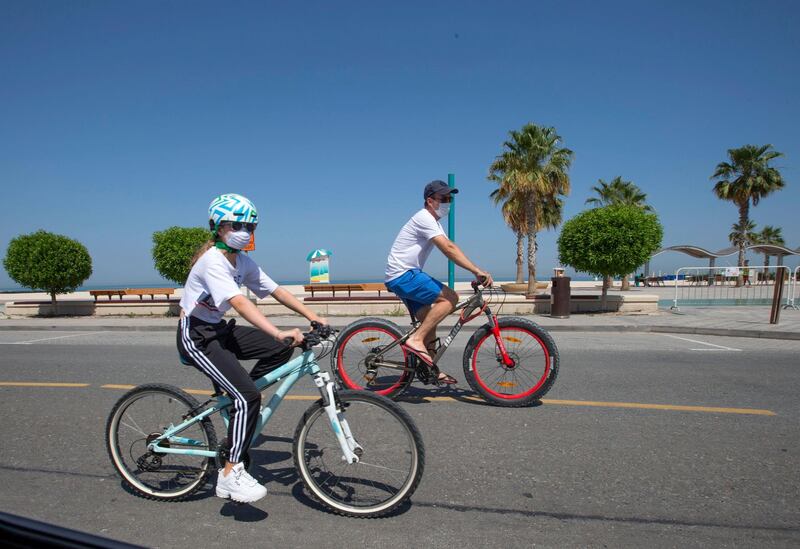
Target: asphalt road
<point x="650" y="440"/>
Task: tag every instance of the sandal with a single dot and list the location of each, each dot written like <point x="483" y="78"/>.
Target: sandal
<point x="445" y="379"/>
<point x="441" y="377"/>
<point x="420" y="354"/>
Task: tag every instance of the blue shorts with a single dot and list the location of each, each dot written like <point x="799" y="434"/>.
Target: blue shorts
<point x="416" y="288"/>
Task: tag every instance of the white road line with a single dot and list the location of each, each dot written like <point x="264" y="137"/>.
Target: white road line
<point x="719" y="350"/>
<point x="49" y="338"/>
<point x="702" y="343"/>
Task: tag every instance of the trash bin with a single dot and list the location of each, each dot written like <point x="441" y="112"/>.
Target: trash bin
<point x="559" y="297"/>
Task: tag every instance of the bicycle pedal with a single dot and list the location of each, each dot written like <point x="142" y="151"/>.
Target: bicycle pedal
<point x="369" y="377"/>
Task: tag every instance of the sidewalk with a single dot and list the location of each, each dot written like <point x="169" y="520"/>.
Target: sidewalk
<point x="722" y="321"/>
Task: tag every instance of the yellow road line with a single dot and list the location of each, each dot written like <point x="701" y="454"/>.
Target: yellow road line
<point x="31" y="384"/>
<point x="634" y="405"/>
<point x="639" y="405"/>
<point x="287" y="397"/>
<point x="206" y="392"/>
<point x="597" y="404"/>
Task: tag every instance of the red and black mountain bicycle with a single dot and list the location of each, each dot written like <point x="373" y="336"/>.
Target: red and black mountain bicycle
<point x="509" y="361"/>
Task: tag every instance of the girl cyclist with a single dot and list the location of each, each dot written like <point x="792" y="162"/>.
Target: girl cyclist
<point x="215" y="346"/>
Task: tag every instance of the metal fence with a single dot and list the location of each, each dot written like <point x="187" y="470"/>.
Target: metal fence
<point x="792" y="302"/>
<point x="751" y="285"/>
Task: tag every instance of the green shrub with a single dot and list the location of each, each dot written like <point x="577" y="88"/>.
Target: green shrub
<point x="47" y="261"/>
<point x="611" y="241"/>
<point x="174" y="248"/>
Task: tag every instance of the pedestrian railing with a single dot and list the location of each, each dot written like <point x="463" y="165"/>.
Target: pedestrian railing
<point x="751" y="285"/>
<point x="793" y="303"/>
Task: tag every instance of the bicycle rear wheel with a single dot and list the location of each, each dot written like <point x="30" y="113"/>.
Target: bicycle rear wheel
<point x="390" y="465"/>
<point x="140" y="416"/>
<point x="535" y="367"/>
<point x="359" y="345"/>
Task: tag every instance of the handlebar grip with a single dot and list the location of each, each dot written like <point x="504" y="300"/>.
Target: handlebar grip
<point x="288" y="341"/>
<point x="480" y="281"/>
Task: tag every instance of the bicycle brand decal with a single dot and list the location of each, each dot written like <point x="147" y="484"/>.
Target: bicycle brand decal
<point x="453" y="334"/>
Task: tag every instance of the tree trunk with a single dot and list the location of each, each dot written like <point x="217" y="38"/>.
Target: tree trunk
<point x="743" y="215"/>
<point x="531" y="261"/>
<point x="520" y="253"/>
<point x="532" y="245"/>
<point x="626" y="283"/>
<point x="53" y="300"/>
<point x="608" y="282"/>
<point x="603" y="295"/>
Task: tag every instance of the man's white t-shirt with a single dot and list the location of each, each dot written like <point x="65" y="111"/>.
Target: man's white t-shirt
<point x="413" y="244"/>
<point x="213" y="281"/>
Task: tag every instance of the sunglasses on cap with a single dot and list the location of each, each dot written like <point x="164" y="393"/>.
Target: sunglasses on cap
<point x="238" y="226"/>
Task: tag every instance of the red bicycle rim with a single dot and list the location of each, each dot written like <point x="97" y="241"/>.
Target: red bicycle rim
<point x="349" y="381"/>
<point x="494" y="393"/>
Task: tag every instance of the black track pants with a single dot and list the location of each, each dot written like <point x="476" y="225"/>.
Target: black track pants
<point x="215" y="349"/>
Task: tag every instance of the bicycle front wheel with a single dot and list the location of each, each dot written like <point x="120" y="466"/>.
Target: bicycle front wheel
<point x="139" y="417"/>
<point x="391" y="461"/>
<point x="534" y="369"/>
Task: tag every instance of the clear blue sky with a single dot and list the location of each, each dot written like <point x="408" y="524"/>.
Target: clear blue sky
<point x="119" y="119"/>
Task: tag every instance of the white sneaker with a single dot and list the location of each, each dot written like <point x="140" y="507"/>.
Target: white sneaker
<point x="239" y="486"/>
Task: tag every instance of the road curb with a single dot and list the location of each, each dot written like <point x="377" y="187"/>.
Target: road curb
<point x="618" y="328"/>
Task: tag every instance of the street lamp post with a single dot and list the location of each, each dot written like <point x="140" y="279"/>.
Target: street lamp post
<point x="451" y="231"/>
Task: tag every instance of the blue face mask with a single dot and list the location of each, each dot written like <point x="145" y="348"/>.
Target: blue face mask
<point x="237" y="239"/>
<point x="443" y="210"/>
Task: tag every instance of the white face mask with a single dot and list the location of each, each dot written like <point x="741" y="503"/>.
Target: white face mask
<point x="237" y="240"/>
<point x="443" y="210"/>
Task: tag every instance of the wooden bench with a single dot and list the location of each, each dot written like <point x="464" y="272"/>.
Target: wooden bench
<point x="349" y="288"/>
<point x="374" y="287"/>
<point x="109" y="293"/>
<point x="141" y="292"/>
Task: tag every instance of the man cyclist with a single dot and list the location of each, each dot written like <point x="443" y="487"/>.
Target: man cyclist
<point x="426" y="298"/>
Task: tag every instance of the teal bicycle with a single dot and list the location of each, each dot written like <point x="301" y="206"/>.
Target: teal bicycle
<point x="357" y="453"/>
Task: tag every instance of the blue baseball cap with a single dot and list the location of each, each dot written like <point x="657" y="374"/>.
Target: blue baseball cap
<point x="437" y="186"/>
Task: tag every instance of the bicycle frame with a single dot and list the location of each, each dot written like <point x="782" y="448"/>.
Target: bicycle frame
<point x="305" y="364"/>
<point x="476" y="301"/>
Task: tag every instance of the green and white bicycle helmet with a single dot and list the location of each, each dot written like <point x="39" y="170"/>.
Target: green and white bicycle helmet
<point x="231" y="207"/>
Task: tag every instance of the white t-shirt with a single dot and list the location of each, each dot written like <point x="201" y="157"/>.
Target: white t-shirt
<point x="213" y="281"/>
<point x="413" y="244"/>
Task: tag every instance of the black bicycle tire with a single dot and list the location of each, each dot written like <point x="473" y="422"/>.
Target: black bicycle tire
<point x="113" y="422"/>
<point x="391" y="407"/>
<point x="513" y="322"/>
<point x="344" y="336"/>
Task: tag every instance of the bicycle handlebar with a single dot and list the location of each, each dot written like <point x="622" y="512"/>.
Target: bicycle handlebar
<point x="479" y="282"/>
<point x="318" y="333"/>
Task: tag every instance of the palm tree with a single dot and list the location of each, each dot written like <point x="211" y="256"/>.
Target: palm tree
<point x="514" y="215"/>
<point x="743" y="234"/>
<point x="619" y="192"/>
<point x="747" y="177"/>
<point x="769" y="235"/>
<point x="533" y="170"/>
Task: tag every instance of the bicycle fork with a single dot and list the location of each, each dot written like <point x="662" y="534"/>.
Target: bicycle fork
<point x="341" y="428"/>
<point x="507" y="360"/>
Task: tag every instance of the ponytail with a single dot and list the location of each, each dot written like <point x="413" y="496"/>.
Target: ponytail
<point x="207" y="245"/>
